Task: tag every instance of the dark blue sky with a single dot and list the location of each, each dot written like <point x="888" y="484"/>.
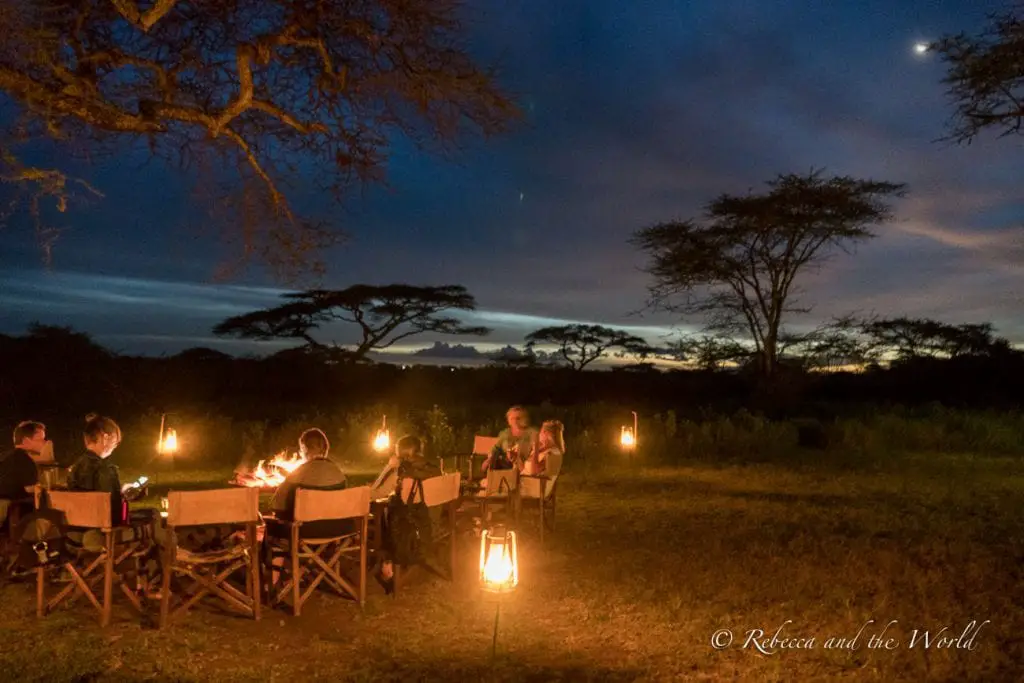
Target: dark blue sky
<point x="636" y="112"/>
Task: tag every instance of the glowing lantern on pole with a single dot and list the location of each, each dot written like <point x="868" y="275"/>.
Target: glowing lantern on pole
<point x="382" y="440"/>
<point x="499" y="561"/>
<point x="168" y="442"/>
<point x="627" y="436"/>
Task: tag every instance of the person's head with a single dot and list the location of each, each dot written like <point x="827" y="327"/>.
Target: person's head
<point x="551" y="434"/>
<point x="30" y="436"/>
<point x="313" y="443"/>
<point x="409" y="448"/>
<point x="101" y="434"/>
<point x="518" y="419"/>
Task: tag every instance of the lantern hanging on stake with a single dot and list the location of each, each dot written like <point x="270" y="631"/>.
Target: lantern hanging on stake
<point x="499" y="561"/>
<point x="168" y="442"/>
<point x="499" y="569"/>
<point x="627" y="436"/>
<point x="382" y="440"/>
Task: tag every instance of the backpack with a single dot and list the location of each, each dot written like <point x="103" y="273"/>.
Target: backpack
<point x="40" y="539"/>
<point x="409" y="533"/>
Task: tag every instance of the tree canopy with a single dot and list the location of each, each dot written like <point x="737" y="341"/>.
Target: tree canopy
<point x="262" y="98"/>
<point x="581" y="345"/>
<point x="738" y="266"/>
<point x="985" y="77"/>
<point x="384" y="315"/>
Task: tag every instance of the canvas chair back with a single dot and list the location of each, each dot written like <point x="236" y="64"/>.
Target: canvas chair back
<point x="83" y="509"/>
<point x="312" y="505"/>
<point x="237" y="505"/>
<point x="436" y="490"/>
<point x="529" y="487"/>
<point x="482" y="445"/>
<point x="501" y="482"/>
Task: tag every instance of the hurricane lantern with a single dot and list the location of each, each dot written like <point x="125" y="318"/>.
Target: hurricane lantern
<point x="168" y="441"/>
<point x="382" y="440"/>
<point x="499" y="560"/>
<point x="627" y="435"/>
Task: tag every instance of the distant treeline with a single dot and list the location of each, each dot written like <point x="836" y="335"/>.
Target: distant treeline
<point x="58" y="375"/>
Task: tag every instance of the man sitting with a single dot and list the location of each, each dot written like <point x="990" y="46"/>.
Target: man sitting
<point x="18" y="473"/>
<point x="515" y="444"/>
<point x="319" y="473"/>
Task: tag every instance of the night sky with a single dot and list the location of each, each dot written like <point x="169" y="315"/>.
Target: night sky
<point x="637" y="112"/>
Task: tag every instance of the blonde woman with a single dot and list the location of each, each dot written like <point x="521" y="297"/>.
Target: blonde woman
<point x="546" y="458"/>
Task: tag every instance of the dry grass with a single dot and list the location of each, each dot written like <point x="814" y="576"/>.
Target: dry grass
<point x="644" y="568"/>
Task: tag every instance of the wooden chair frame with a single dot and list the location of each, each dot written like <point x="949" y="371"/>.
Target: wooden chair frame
<point x="546" y="500"/>
<point x="210" y="572"/>
<point x="90" y="511"/>
<point x="482" y="446"/>
<point x="438" y="492"/>
<point x="500" y="491"/>
<point x="320" y="558"/>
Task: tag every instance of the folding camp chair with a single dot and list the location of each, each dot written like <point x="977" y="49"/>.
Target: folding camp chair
<point x="538" y="492"/>
<point x="482" y="446"/>
<point x="439" y="493"/>
<point x="502" y="490"/>
<point x="86" y="511"/>
<point x="317" y="560"/>
<point x="211" y="571"/>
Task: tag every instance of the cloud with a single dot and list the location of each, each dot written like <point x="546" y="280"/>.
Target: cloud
<point x="444" y="350"/>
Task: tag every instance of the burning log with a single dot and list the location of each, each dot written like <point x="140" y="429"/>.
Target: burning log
<point x="271" y="474"/>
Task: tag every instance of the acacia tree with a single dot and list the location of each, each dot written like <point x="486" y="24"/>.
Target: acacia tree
<point x="708" y="352"/>
<point x="581" y="345"/>
<point x="738" y="267"/>
<point x="908" y="338"/>
<point x="250" y="94"/>
<point x="985" y="77"/>
<point x="383" y="314"/>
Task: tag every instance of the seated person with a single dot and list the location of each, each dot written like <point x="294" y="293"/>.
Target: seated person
<point x="514" y="443"/>
<point x="93" y="471"/>
<point x="408" y="461"/>
<point x="319" y="473"/>
<point x="546" y="459"/>
<point x="18" y="475"/>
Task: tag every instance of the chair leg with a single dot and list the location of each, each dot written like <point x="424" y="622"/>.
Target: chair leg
<point x="40" y="591"/>
<point x="108" y="579"/>
<point x="452" y="535"/>
<point x="165" y="584"/>
<point x="362" y="562"/>
<point x="255" y="584"/>
<point x="296" y="575"/>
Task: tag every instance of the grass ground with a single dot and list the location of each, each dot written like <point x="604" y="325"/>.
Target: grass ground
<point x="644" y="568"/>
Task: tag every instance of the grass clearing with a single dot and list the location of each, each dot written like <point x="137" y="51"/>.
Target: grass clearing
<point x="645" y="566"/>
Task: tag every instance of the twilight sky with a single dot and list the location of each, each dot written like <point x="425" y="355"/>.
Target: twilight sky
<point x="637" y="112"/>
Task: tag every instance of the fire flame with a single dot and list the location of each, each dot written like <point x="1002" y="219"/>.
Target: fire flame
<point x="274" y="472"/>
<point x="382" y="441"/>
<point x="628" y="438"/>
<point x="498" y="568"/>
<point x="170" y="442"/>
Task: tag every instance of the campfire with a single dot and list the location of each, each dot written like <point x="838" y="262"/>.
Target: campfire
<point x="270" y="474"/>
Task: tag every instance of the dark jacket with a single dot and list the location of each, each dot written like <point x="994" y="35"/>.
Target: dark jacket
<point x="17" y="470"/>
<point x="93" y="473"/>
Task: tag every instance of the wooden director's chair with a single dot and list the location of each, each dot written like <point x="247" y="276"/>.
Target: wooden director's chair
<point x="439" y="493"/>
<point x="501" y="491"/>
<point x="538" y="493"/>
<point x="86" y="511"/>
<point x="317" y="560"/>
<point x="211" y="571"/>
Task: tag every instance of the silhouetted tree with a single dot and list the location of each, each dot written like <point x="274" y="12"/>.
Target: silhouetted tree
<point x="581" y="345"/>
<point x="985" y="75"/>
<point x="384" y="315"/>
<point x="908" y="338"/>
<point x="738" y="267"/>
<point x="709" y="352"/>
<point x="260" y="89"/>
<point x="838" y="345"/>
